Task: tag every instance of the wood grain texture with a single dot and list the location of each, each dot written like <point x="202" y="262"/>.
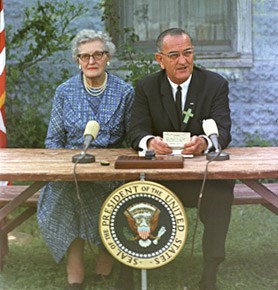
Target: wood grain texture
<point x="56" y="165"/>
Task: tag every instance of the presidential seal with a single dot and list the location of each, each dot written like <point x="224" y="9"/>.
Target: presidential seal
<point x="143" y="224"/>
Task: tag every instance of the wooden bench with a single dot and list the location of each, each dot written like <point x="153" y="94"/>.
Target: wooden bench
<point x="242" y="195"/>
<point x="245" y="195"/>
<point x="8" y="193"/>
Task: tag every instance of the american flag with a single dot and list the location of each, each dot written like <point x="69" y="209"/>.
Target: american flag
<point x="3" y="139"/>
<point x="3" y="142"/>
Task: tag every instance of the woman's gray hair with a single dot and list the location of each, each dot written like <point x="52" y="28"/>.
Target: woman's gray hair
<point x="88" y="35"/>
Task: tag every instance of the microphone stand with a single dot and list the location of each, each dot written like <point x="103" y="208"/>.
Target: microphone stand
<point x="83" y="157"/>
<point x="218" y="155"/>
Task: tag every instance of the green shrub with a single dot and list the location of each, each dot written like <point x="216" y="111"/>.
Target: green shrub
<point x="35" y="48"/>
<point x="30" y="84"/>
<point x="137" y="63"/>
<point x="252" y="140"/>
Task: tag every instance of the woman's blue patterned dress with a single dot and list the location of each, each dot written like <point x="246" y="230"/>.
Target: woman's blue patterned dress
<point x="60" y="217"/>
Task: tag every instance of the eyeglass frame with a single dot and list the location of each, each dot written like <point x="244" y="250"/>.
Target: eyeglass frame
<point x="93" y="55"/>
<point x="176" y="54"/>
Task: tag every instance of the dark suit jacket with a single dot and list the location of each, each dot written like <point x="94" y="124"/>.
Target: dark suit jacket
<point x="154" y="107"/>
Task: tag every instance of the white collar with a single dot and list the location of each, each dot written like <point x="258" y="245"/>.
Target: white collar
<point x="183" y="85"/>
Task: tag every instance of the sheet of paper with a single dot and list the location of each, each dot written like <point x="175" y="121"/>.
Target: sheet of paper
<point x="177" y="152"/>
<point x="176" y="140"/>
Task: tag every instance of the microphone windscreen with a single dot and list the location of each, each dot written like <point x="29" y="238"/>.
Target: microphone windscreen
<point x="210" y="127"/>
<point x="92" y="128"/>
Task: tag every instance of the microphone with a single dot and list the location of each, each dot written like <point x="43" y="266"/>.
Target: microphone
<point x="211" y="130"/>
<point x="90" y="135"/>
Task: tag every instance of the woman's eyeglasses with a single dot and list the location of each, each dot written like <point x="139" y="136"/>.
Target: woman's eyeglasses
<point x="98" y="55"/>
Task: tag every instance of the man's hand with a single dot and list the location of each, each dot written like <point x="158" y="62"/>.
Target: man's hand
<point x="159" y="146"/>
<point x="195" y="146"/>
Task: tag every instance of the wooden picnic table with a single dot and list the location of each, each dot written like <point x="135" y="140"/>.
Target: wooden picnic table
<point x="38" y="166"/>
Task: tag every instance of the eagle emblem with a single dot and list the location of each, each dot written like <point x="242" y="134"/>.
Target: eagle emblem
<point x="143" y="220"/>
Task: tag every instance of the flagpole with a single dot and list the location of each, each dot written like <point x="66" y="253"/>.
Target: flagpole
<point x="144" y="282"/>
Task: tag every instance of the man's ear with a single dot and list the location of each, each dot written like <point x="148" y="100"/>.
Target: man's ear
<point x="159" y="59"/>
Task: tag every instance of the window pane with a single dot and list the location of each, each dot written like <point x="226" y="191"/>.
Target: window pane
<point x="210" y="23"/>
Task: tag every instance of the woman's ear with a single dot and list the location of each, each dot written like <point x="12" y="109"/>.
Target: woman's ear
<point x="108" y="59"/>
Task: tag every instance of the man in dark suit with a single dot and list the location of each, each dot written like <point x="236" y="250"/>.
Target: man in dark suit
<point x="204" y="95"/>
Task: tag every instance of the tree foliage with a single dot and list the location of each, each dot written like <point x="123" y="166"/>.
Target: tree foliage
<point x="32" y="52"/>
<point x="136" y="62"/>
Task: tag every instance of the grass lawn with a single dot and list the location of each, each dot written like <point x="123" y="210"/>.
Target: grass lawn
<point x="251" y="264"/>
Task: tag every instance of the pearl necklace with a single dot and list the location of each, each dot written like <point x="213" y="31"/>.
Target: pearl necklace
<point x="95" y="91"/>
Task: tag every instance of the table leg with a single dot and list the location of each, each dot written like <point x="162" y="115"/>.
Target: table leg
<point x="18" y="200"/>
<point x="266" y="193"/>
<point x="5" y="227"/>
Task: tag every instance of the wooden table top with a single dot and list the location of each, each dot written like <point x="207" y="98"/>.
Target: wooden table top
<point x="56" y="165"/>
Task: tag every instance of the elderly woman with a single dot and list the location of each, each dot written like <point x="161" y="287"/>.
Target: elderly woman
<point x="92" y="94"/>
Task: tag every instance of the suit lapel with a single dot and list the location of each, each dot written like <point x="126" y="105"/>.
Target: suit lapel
<point x="191" y="99"/>
<point x="168" y="102"/>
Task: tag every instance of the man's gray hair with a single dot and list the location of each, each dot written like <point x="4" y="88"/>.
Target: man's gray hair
<point x="172" y="32"/>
